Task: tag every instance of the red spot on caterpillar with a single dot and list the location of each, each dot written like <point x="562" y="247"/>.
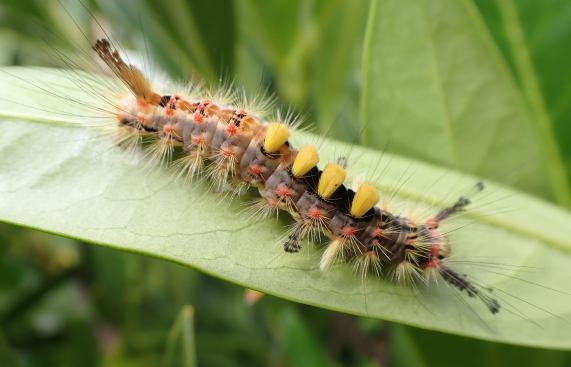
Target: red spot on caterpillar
<point x="197" y="139"/>
<point x="197" y="117"/>
<point x="232" y="129"/>
<point x="349" y="231"/>
<point x="256" y="170"/>
<point x="169" y="129"/>
<point x="227" y="151"/>
<point x="315" y="213"/>
<point x="284" y="192"/>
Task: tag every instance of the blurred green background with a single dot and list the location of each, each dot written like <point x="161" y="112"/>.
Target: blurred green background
<point x="64" y="303"/>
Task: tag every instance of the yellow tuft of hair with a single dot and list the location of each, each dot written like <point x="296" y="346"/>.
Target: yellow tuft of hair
<point x="305" y="160"/>
<point x="332" y="177"/>
<point x="276" y="135"/>
<point x="365" y="199"/>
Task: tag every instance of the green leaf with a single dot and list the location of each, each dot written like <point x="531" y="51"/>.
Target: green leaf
<point x="436" y="88"/>
<point x="336" y="86"/>
<point x="60" y="174"/>
<point x="282" y="35"/>
<point x="311" y="49"/>
<point x="302" y="347"/>
<point x="44" y="28"/>
<point x="406" y="352"/>
<point x="180" y="36"/>
<point x="180" y="348"/>
<point x="414" y="347"/>
<point x="533" y="36"/>
<point x="7" y="354"/>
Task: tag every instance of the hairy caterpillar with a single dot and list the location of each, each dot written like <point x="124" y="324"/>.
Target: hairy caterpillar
<point x="234" y="149"/>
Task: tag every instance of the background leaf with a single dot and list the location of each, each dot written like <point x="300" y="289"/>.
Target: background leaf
<point x="6" y="353"/>
<point x="69" y="180"/>
<point x="310" y="52"/>
<point x="425" y="349"/>
<point x="181" y="36"/>
<point x="532" y="37"/>
<point x="436" y="88"/>
<point x="181" y="350"/>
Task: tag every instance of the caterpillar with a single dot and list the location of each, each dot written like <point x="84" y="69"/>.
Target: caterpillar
<point x="235" y="149"/>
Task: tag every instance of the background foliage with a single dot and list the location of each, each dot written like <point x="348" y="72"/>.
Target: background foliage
<point x="63" y="303"/>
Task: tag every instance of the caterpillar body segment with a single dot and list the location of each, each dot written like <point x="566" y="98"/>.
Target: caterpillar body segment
<point x="197" y="136"/>
<point x="267" y="150"/>
<point x="233" y="147"/>
<point x="289" y="181"/>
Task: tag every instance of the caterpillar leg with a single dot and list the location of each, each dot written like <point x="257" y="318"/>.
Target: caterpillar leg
<point x="293" y="242"/>
<point x="311" y="225"/>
